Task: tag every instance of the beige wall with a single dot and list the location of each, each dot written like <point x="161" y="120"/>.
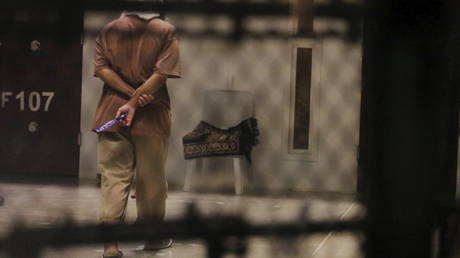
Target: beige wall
<point x="263" y="68"/>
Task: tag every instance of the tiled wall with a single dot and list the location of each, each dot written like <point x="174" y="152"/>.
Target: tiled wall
<point x="263" y="68"/>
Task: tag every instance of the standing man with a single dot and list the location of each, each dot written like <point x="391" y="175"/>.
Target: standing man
<point x="135" y="54"/>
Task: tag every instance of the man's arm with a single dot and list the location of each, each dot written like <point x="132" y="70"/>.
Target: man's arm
<point x="149" y="87"/>
<point x="114" y="81"/>
<point x="102" y="67"/>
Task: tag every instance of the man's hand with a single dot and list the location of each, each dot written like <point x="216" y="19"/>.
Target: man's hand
<point x="145" y="99"/>
<point x="129" y="110"/>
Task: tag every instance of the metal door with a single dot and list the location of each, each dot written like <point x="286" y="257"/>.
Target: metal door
<point x="40" y="92"/>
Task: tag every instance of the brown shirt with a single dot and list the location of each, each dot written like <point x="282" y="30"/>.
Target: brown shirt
<point x="135" y="49"/>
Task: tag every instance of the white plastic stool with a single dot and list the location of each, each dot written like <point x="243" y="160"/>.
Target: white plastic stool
<point x="224" y="109"/>
<point x="240" y="174"/>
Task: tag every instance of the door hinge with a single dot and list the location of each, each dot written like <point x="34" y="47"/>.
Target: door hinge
<point x="357" y="152"/>
<point x="79" y="139"/>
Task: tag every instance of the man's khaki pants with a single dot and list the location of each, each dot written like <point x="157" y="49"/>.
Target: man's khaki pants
<point x="119" y="155"/>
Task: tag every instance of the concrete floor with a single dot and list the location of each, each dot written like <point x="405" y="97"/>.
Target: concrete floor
<point x="44" y="205"/>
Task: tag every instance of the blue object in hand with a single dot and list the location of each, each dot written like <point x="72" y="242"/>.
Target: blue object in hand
<point x="109" y="123"/>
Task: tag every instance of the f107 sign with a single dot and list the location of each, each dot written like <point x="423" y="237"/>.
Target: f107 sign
<point x="33" y="101"/>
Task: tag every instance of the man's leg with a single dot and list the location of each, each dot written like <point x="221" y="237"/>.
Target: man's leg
<point x="116" y="163"/>
<point x="151" y="184"/>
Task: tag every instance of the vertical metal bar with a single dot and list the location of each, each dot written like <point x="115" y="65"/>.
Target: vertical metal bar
<point x="448" y="222"/>
<point x="408" y="118"/>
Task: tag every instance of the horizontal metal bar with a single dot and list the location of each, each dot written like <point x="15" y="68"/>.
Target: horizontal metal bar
<point x="188" y="228"/>
<point x="216" y="34"/>
<point x="237" y="8"/>
<point x="213" y="8"/>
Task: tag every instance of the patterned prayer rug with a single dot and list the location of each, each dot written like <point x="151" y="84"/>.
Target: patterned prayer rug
<point x="207" y="140"/>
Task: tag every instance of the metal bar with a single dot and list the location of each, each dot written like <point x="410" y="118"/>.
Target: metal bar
<point x="191" y="227"/>
<point x="238" y="8"/>
<point x="237" y="11"/>
<point x="251" y="35"/>
<point x="185" y="7"/>
<point x="408" y="116"/>
<point x="339" y="9"/>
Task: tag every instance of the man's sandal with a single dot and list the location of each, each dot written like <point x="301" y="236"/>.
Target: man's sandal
<point x="158" y="245"/>
<point x="117" y="255"/>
